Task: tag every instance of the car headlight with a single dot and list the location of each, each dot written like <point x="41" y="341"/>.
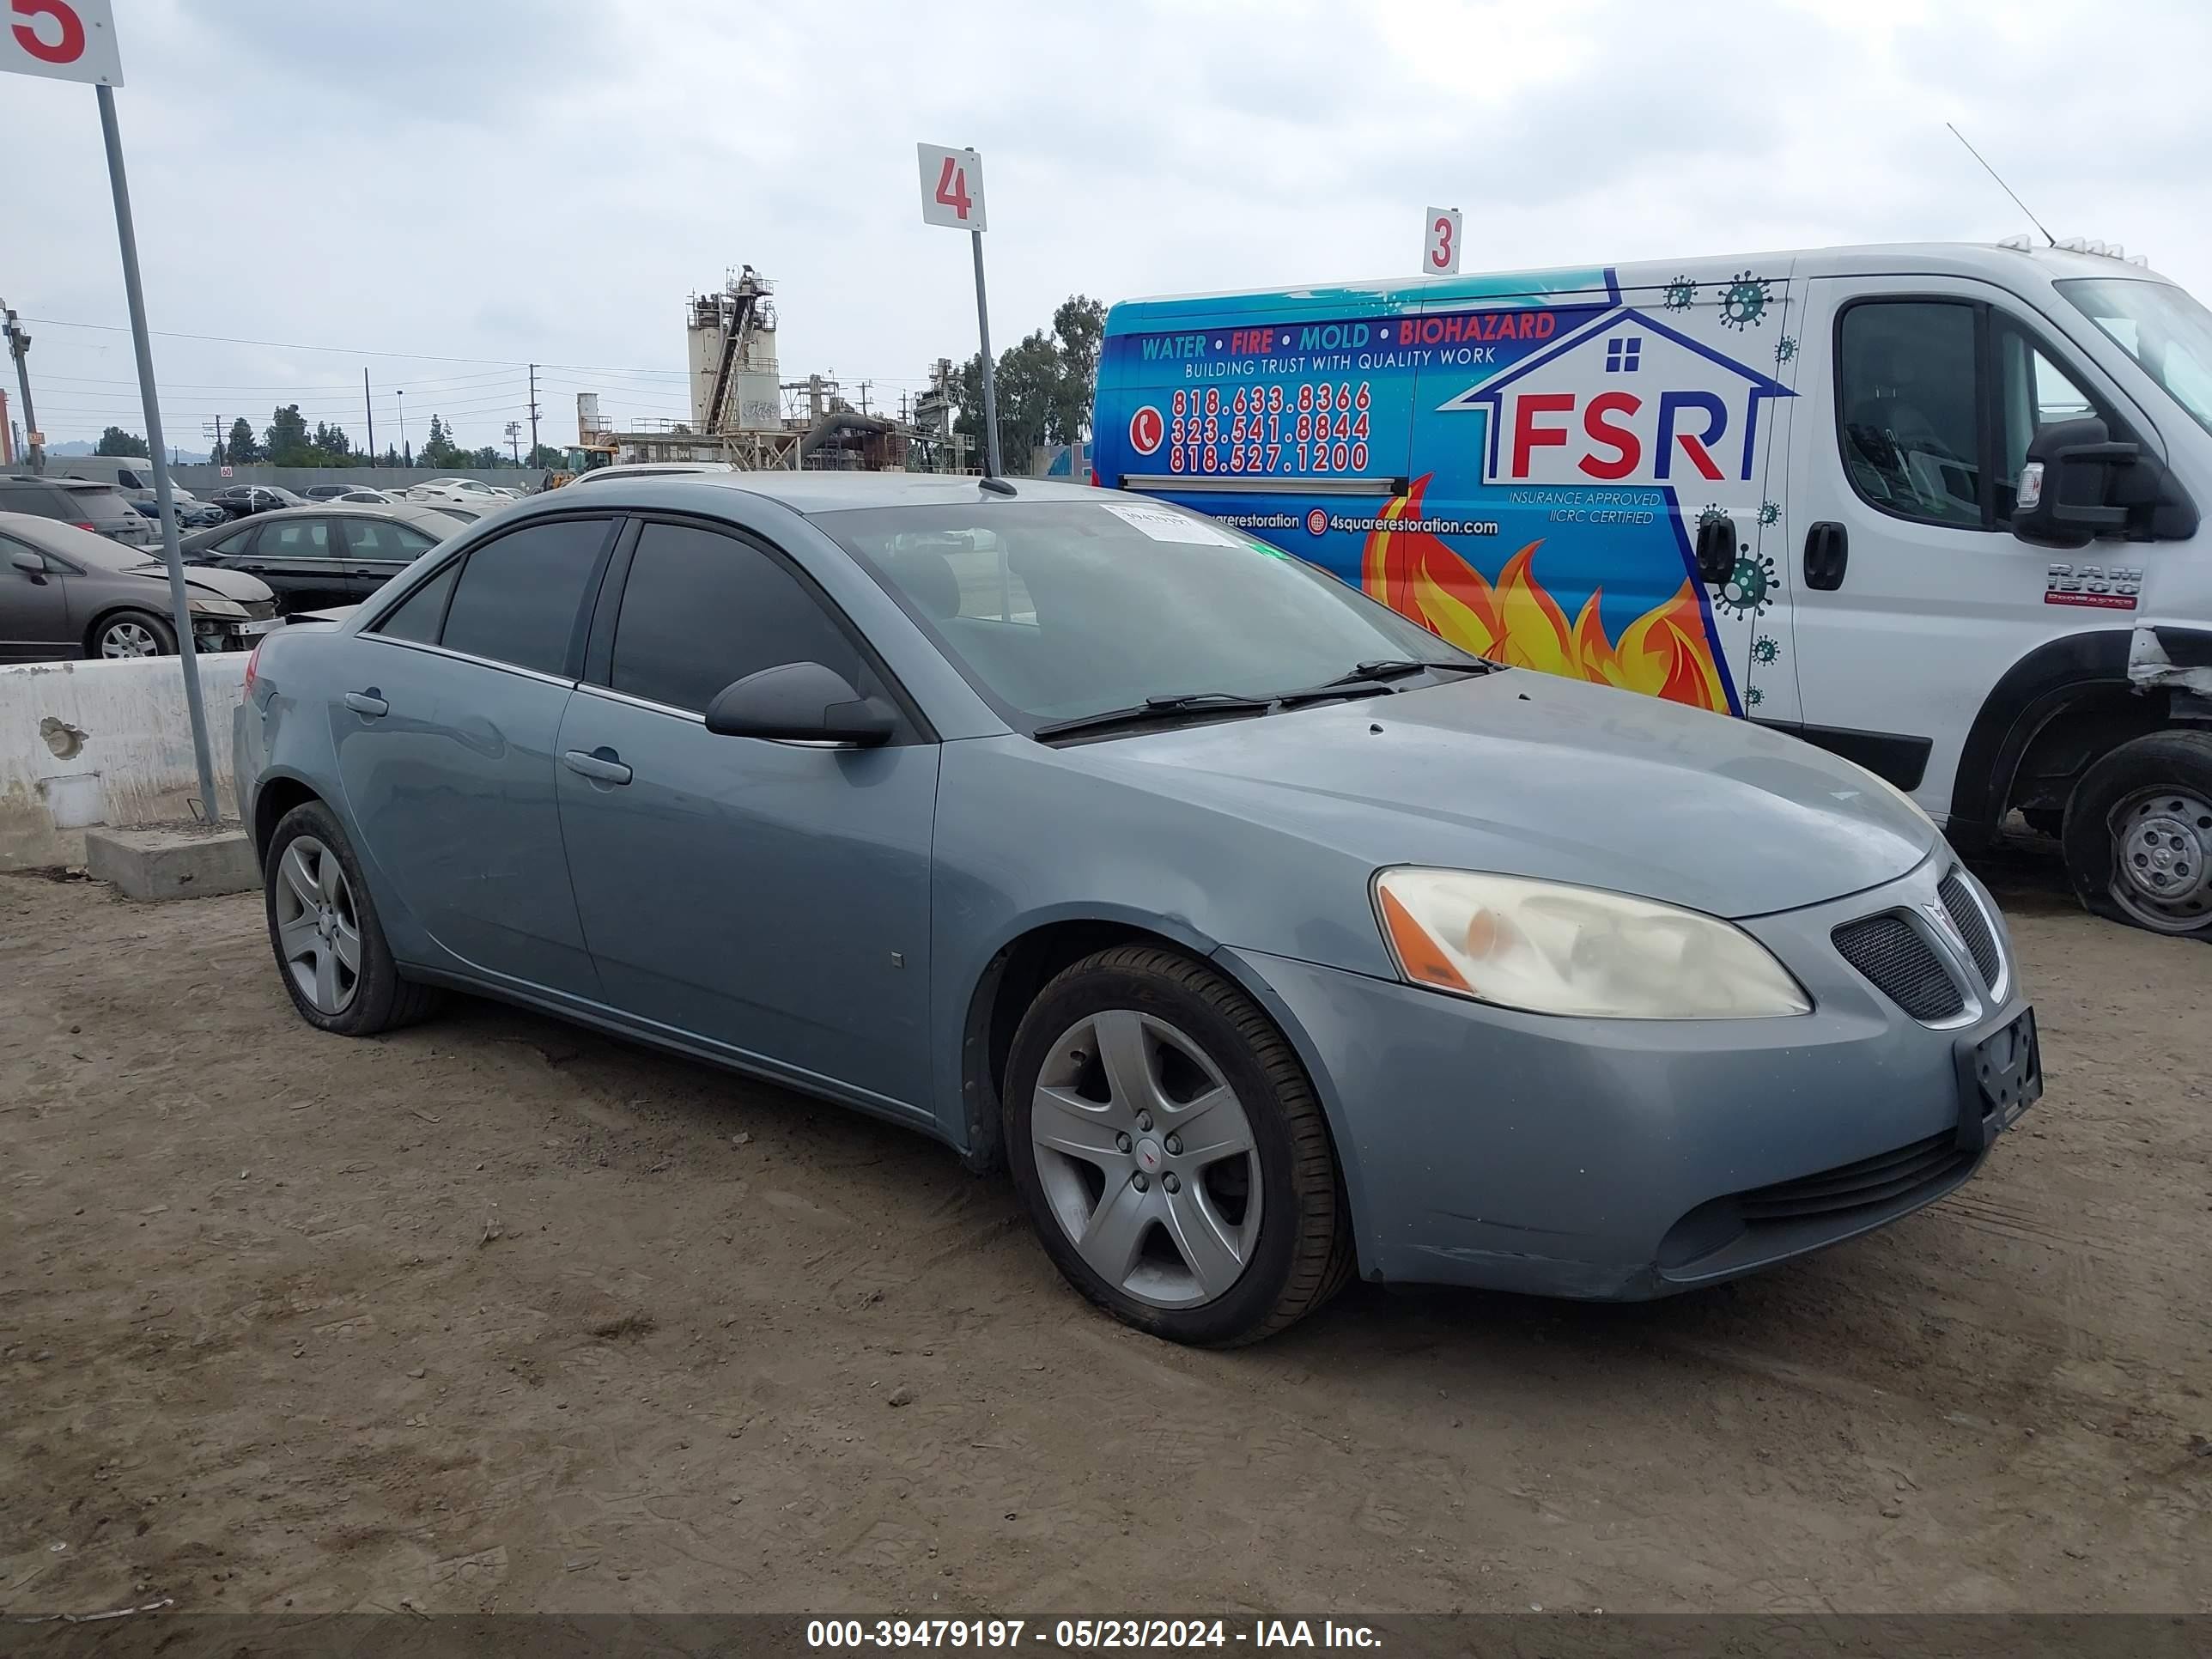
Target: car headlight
<point x="1551" y="949"/>
<point x="218" y="608"/>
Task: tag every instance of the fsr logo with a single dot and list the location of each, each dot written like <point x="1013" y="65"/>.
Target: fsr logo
<point x="1625" y="400"/>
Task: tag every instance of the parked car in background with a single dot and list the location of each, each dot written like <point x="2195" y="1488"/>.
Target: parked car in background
<point x="1269" y="938"/>
<point x="68" y="593"/>
<point x="242" y="500"/>
<point x="363" y="495"/>
<point x="325" y="555"/>
<point x="111" y="512"/>
<point x="192" y="514"/>
<point x="651" y="469"/>
<point x="325" y="492"/>
<point x="27" y="492"/>
<point x="462" y="492"/>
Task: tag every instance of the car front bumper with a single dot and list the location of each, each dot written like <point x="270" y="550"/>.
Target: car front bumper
<point x="1624" y="1159"/>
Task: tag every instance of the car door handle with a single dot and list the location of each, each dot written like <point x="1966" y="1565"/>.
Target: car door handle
<point x="602" y="765"/>
<point x="368" y="702"/>
<point x="1827" y="554"/>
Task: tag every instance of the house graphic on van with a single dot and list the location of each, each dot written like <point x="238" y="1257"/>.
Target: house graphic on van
<point x="1625" y="399"/>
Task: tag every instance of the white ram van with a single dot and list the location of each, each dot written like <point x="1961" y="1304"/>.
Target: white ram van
<point x="1934" y="508"/>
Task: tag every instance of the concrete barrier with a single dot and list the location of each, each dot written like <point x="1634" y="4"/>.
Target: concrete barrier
<point x="86" y="744"/>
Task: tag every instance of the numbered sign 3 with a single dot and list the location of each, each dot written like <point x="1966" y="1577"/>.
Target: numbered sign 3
<point x="61" y="39"/>
<point x="951" y="187"/>
<point x="1440" y="254"/>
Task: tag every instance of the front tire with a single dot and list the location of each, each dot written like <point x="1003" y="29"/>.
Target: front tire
<point x="2138" y="836"/>
<point x="1170" y="1152"/>
<point x="330" y="949"/>
<point x="132" y="634"/>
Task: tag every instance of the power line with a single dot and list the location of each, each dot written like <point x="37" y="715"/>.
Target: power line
<point x="358" y="351"/>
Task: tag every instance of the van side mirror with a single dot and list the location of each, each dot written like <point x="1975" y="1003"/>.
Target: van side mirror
<point x="799" y="703"/>
<point x="2080" y="483"/>
<point x="1716" y="550"/>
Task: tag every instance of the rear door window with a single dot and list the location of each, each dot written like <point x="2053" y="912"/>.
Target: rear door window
<point x="375" y="541"/>
<point x="47" y="500"/>
<point x="519" y="597"/>
<point x="294" y="538"/>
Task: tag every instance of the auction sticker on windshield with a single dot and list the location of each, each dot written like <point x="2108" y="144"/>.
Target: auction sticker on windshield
<point x="1164" y="525"/>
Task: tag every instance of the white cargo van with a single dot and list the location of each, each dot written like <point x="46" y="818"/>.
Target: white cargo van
<point x="1933" y="508"/>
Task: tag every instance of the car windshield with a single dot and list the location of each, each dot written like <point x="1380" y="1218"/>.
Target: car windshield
<point x="1058" y="609"/>
<point x="2161" y="326"/>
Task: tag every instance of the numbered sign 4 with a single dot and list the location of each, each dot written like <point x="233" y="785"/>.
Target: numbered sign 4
<point x="61" y="39"/>
<point x="1440" y="253"/>
<point x="951" y="187"/>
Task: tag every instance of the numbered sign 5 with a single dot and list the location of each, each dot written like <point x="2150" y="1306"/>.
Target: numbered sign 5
<point x="1440" y="255"/>
<point x="951" y="187"/>
<point x="61" y="39"/>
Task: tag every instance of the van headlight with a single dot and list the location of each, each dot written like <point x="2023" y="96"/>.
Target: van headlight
<point x="1551" y="949"/>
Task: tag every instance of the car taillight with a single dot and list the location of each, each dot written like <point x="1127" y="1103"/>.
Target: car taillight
<point x="83" y="525"/>
<point x="254" y="666"/>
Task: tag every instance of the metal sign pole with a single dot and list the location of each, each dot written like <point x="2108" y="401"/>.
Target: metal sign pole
<point x="990" y="377"/>
<point x="165" y="506"/>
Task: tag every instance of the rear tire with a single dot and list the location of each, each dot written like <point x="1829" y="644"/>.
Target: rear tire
<point x="132" y="634"/>
<point x="331" y="950"/>
<point x="1170" y="1151"/>
<point x="2138" y="837"/>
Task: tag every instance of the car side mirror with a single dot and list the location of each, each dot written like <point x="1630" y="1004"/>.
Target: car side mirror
<point x="1716" y="550"/>
<point x="2079" y="483"/>
<point x="26" y="562"/>
<point x="799" y="703"/>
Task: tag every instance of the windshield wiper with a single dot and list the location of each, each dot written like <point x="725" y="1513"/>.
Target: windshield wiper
<point x="1161" y="710"/>
<point x="1369" y="679"/>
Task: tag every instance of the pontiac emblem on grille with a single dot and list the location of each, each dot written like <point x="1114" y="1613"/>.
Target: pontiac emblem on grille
<point x="1941" y="917"/>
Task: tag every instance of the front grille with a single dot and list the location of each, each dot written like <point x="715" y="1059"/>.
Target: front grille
<point x="1853" y="1185"/>
<point x="1901" y="964"/>
<point x="1973" y="927"/>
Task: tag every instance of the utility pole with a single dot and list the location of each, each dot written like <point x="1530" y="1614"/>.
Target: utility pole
<point x="514" y="440"/>
<point x="19" y="347"/>
<point x="533" y="410"/>
<point x="406" y="454"/>
<point x="865" y="385"/>
<point x="369" y="410"/>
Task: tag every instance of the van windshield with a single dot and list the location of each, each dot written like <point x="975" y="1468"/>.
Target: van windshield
<point x="2162" y="327"/>
<point x="1058" y="609"/>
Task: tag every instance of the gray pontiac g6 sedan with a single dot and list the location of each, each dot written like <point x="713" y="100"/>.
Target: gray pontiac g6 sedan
<point x="1266" y="938"/>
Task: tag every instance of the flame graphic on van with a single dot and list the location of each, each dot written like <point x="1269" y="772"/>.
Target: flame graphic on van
<point x="1665" y="652"/>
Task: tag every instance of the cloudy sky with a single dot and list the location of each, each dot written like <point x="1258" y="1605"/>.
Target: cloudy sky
<point x="441" y="192"/>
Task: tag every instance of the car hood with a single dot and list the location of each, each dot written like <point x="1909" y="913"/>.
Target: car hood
<point x="1520" y="773"/>
<point x="212" y="580"/>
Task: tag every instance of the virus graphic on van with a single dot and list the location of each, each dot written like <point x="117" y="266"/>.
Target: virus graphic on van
<point x="1754" y="696"/>
<point x="1769" y="512"/>
<point x="1749" y="589"/>
<point x="1766" y="649"/>
<point x="1785" y="349"/>
<point x="1744" y="301"/>
<point x="1713" y="513"/>
<point x="1665" y="653"/>
<point x="1682" y="294"/>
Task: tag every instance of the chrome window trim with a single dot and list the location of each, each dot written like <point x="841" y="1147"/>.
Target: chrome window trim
<point x="479" y="662"/>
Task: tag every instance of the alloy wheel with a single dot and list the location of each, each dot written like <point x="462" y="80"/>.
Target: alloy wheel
<point x="128" y="639"/>
<point x="318" y="928"/>
<point x="1148" y="1159"/>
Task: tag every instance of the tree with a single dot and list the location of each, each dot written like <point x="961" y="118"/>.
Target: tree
<point x="1045" y="384"/>
<point x="287" y="438"/>
<point x="241" y="446"/>
<point x="115" y="442"/>
<point x="544" y="455"/>
<point x="391" y="456"/>
<point x="332" y="445"/>
<point x="439" y="449"/>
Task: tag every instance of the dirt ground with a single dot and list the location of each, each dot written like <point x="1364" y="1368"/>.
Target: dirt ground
<point x="494" y="1315"/>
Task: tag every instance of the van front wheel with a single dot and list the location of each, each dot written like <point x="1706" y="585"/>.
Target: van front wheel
<point x="2139" y="835"/>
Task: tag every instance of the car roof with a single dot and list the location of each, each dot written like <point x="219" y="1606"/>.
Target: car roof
<point x="811" y="493"/>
